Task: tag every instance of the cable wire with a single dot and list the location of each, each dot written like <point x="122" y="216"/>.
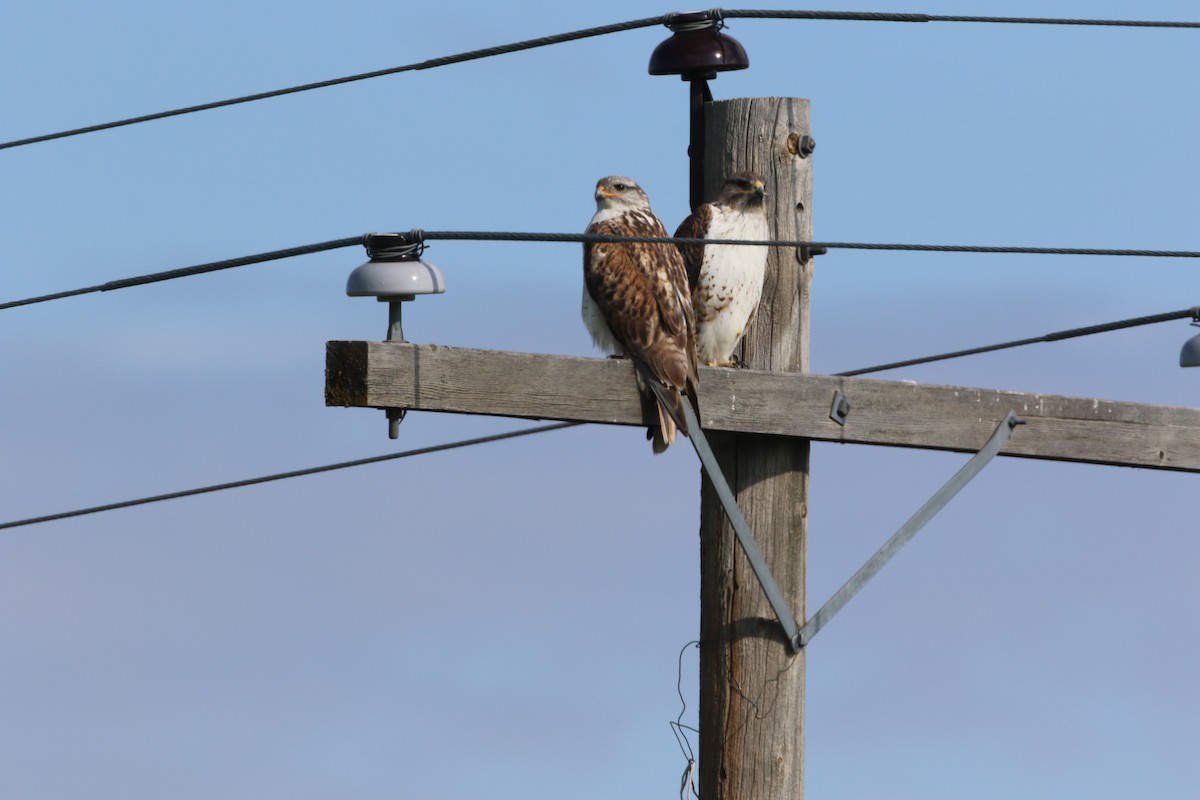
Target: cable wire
<point x="184" y="272"/>
<point x="420" y="236"/>
<point x="285" y="475"/>
<point x="512" y="236"/>
<point x="677" y="727"/>
<point x="1057" y="336"/>
<point x="529" y="44"/>
<point x="432" y="63"/>
<point x="875" y="16"/>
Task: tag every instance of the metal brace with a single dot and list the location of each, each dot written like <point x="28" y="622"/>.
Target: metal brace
<point x="799" y="637"/>
<point x="713" y="470"/>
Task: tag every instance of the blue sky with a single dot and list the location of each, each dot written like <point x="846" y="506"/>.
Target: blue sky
<point x="506" y="619"/>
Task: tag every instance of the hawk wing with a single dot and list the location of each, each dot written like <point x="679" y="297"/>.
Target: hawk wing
<point x="694" y="227"/>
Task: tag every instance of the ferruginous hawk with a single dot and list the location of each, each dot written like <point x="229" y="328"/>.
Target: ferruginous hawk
<point x="636" y="302"/>
<point x="726" y="280"/>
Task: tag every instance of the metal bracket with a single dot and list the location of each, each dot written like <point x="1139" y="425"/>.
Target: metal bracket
<point x="799" y="637"/>
<point x="807" y="253"/>
<point x="840" y="409"/>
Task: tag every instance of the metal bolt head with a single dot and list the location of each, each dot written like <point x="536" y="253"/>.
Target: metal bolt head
<point x="802" y="146"/>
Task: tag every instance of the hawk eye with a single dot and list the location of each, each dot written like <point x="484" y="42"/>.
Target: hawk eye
<point x="620" y="187"/>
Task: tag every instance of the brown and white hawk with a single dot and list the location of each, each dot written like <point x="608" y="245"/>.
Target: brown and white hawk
<point x="726" y="280"/>
<point x="636" y="302"/>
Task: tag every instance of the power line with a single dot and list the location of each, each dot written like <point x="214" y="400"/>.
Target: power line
<point x="199" y="269"/>
<point x="874" y="16"/>
<point x="285" y="475"/>
<point x="511" y="236"/>
<point x="1057" y="336"/>
<point x="529" y="44"/>
<point x="432" y="63"/>
<point x="419" y="236"/>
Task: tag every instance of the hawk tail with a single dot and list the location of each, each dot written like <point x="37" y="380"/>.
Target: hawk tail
<point x="662" y="436"/>
<point x="671" y="417"/>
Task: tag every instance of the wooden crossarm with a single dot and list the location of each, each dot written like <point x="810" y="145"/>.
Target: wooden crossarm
<point x="433" y="378"/>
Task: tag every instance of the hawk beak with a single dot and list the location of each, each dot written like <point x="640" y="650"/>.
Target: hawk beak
<point x="759" y="189"/>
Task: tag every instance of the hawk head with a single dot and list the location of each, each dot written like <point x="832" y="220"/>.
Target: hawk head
<point x="743" y="190"/>
<point x="618" y="193"/>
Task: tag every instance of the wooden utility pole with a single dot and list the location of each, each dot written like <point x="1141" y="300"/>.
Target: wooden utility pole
<point x="751" y="683"/>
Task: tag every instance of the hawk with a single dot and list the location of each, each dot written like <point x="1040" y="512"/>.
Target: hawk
<point x="636" y="302"/>
<point x="726" y="280"/>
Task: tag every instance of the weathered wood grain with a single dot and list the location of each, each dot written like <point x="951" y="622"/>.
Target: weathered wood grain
<point x="751" y="683"/>
<point x="433" y="378"/>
